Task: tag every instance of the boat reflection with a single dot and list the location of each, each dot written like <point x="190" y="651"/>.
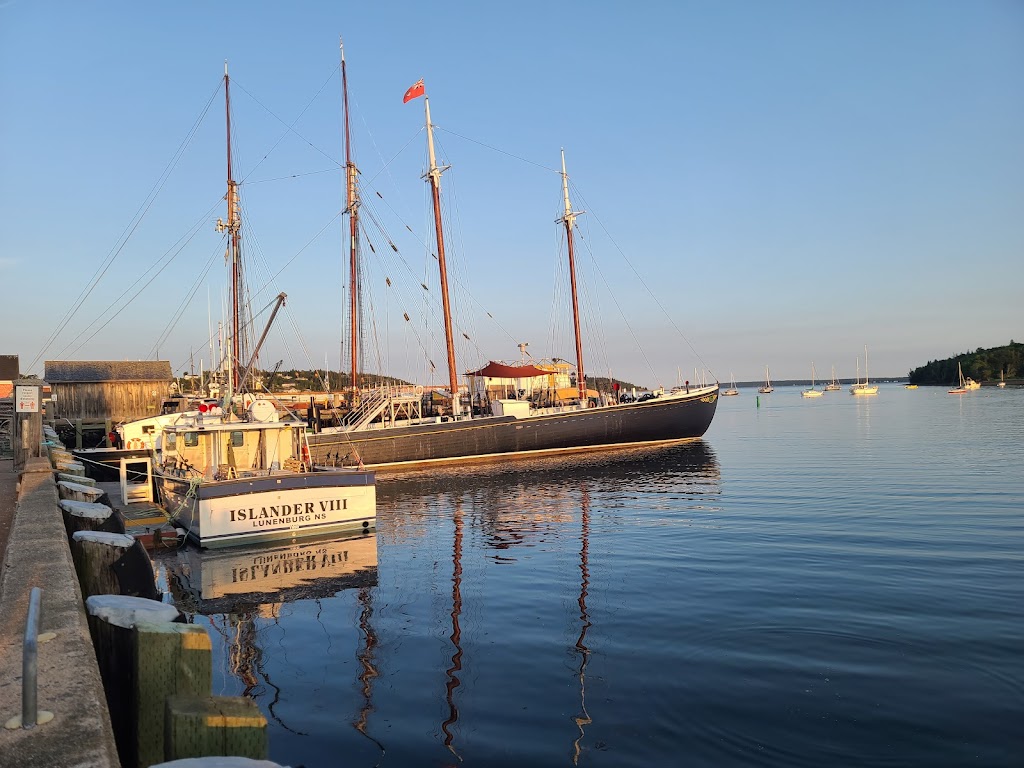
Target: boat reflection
<point x="237" y="587"/>
<point x="226" y="581"/>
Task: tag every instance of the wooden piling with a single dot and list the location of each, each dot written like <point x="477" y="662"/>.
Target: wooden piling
<point x="112" y="619"/>
<point x="87" y="516"/>
<point x="76" y="479"/>
<point x="214" y="725"/>
<point x="78" y="491"/>
<point x="170" y="659"/>
<point x="94" y="554"/>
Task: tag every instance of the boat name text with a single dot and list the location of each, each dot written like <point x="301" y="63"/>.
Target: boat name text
<point x="289" y="513"/>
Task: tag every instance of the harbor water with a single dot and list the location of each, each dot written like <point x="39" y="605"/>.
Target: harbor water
<point x="829" y="581"/>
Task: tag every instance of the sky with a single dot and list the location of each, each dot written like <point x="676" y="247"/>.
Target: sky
<point x="764" y="184"/>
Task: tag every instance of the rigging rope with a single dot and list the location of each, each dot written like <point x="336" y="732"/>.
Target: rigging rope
<point x="129" y="230"/>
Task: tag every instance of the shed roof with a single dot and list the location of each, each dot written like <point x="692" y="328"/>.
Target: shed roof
<point x="9" y="368"/>
<point x="70" y="371"/>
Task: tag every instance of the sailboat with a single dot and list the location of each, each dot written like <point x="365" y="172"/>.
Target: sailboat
<point x="233" y="478"/>
<point x="812" y="392"/>
<point x="863" y="387"/>
<point x="388" y="430"/>
<point x="732" y="387"/>
<point x="961" y="388"/>
<point x="1002" y="379"/>
<point x="834" y="385"/>
<point x="767" y="383"/>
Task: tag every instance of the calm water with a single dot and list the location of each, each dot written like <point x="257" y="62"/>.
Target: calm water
<point x="836" y="581"/>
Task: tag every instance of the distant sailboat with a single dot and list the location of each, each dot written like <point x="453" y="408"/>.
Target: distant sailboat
<point x="1002" y="379"/>
<point x="834" y="385"/>
<point x="863" y="387"/>
<point x="732" y="387"/>
<point x="961" y="388"/>
<point x="812" y="392"/>
<point x="767" y="383"/>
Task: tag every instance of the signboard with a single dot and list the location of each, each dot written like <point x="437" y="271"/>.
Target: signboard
<point x="26" y="398"/>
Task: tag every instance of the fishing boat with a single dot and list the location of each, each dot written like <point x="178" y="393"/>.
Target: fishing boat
<point x="732" y="387"/>
<point x="863" y="387"/>
<point x="812" y="392"/>
<point x="767" y="383"/>
<point x="961" y="388"/>
<point x="834" y="385"/>
<point x="240" y="472"/>
<point x="388" y="429"/>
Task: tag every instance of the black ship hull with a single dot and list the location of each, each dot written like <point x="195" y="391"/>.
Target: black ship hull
<point x="661" y="420"/>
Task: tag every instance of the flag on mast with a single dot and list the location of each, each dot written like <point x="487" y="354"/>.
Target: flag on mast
<point x="414" y="91"/>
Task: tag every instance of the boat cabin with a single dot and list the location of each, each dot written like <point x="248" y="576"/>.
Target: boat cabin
<point x="208" y="445"/>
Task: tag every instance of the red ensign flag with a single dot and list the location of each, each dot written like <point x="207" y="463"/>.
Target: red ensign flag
<point x="414" y="91"/>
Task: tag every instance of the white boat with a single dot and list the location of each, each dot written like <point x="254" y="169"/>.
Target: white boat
<point x="961" y="388"/>
<point x="732" y="387"/>
<point x="834" y="385"/>
<point x="863" y="387"/>
<point x="767" y="383"/>
<point x="1002" y="380"/>
<point x="232" y="478"/>
<point x="812" y="392"/>
<point x="971" y="383"/>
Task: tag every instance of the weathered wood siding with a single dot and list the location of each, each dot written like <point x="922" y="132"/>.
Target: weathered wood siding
<point x="115" y="400"/>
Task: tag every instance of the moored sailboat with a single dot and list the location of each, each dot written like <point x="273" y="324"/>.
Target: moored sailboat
<point x="767" y="383"/>
<point x="387" y="430"/>
<point x="834" y="385"/>
<point x="731" y="391"/>
<point x="961" y="388"/>
<point x="812" y="392"/>
<point x="863" y="387"/>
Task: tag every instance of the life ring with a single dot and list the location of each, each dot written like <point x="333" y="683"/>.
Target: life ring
<point x="305" y="454"/>
<point x="135" y="444"/>
<point x="418" y="390"/>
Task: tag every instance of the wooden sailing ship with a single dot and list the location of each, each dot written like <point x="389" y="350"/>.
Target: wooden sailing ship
<point x="387" y="428"/>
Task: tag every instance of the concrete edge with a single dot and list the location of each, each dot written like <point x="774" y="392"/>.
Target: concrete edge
<point x="69" y="679"/>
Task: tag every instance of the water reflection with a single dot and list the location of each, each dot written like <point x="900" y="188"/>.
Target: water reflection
<point x="581" y="647"/>
<point x="456" y="636"/>
<point x="236" y="587"/>
<point x="493" y="561"/>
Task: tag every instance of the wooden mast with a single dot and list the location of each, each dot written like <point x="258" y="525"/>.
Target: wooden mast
<point x="434" y="176"/>
<point x="233" y="227"/>
<point x="569" y="219"/>
<point x="352" y="206"/>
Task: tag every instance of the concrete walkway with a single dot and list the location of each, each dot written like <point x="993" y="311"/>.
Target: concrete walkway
<point x="37" y="555"/>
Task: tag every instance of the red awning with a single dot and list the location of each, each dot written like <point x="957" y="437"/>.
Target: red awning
<point x="501" y="371"/>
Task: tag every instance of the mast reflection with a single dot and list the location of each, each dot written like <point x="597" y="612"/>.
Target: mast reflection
<point x="583" y="719"/>
<point x="456" y="636"/>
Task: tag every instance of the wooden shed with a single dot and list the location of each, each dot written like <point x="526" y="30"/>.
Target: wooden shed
<point x="107" y="389"/>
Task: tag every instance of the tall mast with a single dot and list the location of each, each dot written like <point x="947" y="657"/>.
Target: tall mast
<point x="569" y="219"/>
<point x="233" y="227"/>
<point x="352" y="206"/>
<point x="434" y="176"/>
